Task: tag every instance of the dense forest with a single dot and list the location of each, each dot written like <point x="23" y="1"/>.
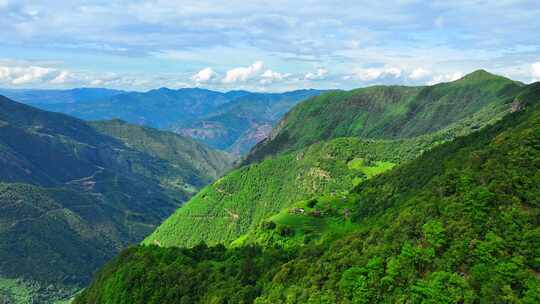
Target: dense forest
<point x="458" y="224"/>
<point x="73" y="194"/>
<point x="239" y="201"/>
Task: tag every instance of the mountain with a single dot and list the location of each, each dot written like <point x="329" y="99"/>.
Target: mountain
<point x="72" y="194"/>
<point x="239" y="201"/>
<point x="240" y="124"/>
<point x="458" y="224"/>
<point x="232" y="121"/>
<point x="44" y="98"/>
<point x="156" y="108"/>
<point x="387" y="112"/>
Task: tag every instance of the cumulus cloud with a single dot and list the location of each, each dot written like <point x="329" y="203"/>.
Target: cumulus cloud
<point x="535" y="71"/>
<point x="204" y="76"/>
<point x="319" y="74"/>
<point x="372" y="74"/>
<point x="20" y="75"/>
<point x="62" y="78"/>
<point x="43" y="75"/>
<point x="419" y="74"/>
<point x="242" y="74"/>
<point x="270" y="76"/>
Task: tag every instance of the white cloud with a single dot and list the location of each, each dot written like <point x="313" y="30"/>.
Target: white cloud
<point x="270" y="76"/>
<point x="372" y="74"/>
<point x="535" y="71"/>
<point x="445" y="78"/>
<point x="19" y="75"/>
<point x="419" y="73"/>
<point x="242" y="74"/>
<point x="204" y="75"/>
<point x="62" y="78"/>
<point x="4" y="3"/>
<point x="319" y="74"/>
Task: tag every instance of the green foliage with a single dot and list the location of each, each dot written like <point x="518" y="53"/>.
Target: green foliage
<point x="459" y="224"/>
<point x="71" y="196"/>
<point x="391" y="112"/>
<point x="241" y="200"/>
<point x="189" y="161"/>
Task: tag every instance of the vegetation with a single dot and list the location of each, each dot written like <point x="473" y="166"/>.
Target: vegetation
<point x="389" y="112"/>
<point x="244" y="197"/>
<point x="193" y="162"/>
<point x="238" y="202"/>
<point x="73" y="194"/>
<point x="459" y="224"/>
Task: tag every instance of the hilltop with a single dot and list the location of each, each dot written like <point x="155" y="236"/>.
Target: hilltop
<point x="387" y="112"/>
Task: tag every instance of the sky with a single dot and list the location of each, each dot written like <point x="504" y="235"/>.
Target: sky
<point x="263" y="45"/>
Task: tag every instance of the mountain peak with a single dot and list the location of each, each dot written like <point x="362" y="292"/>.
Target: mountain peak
<point x="480" y="74"/>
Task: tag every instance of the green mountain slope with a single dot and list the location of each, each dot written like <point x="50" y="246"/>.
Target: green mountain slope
<point x="386" y="112"/>
<point x="73" y="194"/>
<point x="195" y="164"/>
<point x="460" y="224"/>
<point x="239" y="201"/>
<point x="244" y="197"/>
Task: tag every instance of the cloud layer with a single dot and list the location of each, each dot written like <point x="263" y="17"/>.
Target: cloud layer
<point x="223" y="44"/>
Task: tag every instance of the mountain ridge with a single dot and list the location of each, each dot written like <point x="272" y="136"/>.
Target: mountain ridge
<point x="73" y="193"/>
<point x="385" y="112"/>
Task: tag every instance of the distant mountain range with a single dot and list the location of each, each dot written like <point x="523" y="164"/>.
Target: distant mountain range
<point x="233" y="121"/>
<point x="72" y="193"/>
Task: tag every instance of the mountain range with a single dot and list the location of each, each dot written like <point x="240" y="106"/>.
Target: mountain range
<point x="383" y="194"/>
<point x="457" y="224"/>
<point x="233" y="121"/>
<point x="321" y="145"/>
<point x="72" y="194"/>
<point x="376" y="195"/>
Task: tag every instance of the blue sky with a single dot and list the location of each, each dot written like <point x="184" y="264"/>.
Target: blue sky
<point x="263" y="45"/>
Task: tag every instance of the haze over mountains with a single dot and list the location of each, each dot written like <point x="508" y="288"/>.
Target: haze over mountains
<point x="233" y="121"/>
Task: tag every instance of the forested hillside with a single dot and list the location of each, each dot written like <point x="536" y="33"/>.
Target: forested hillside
<point x="388" y="112"/>
<point x="73" y="194"/>
<point x="240" y="200"/>
<point x="459" y="224"/>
